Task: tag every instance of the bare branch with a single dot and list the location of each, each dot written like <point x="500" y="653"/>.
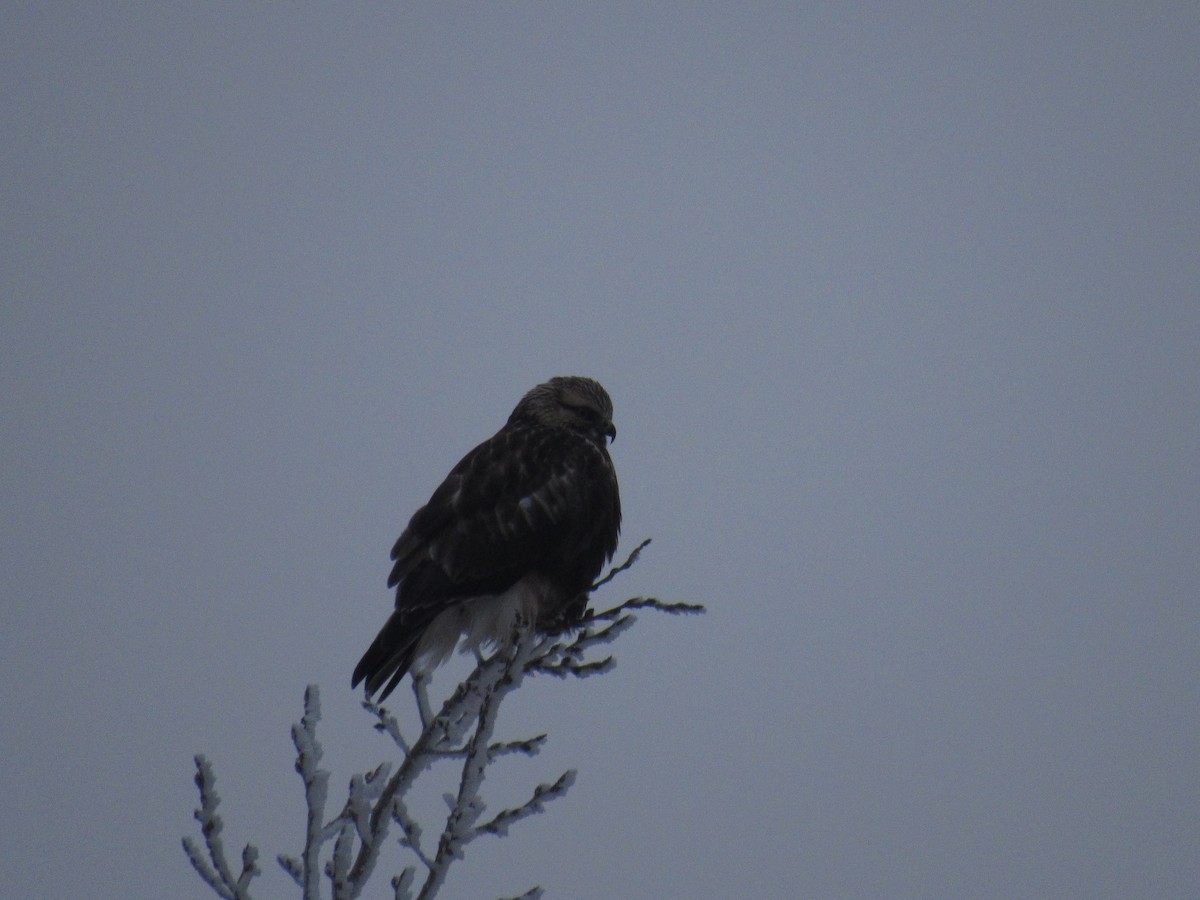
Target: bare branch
<point x="629" y="561"/>
<point x="402" y="883"/>
<point x="542" y="795"/>
<point x="651" y="603"/>
<point x="534" y="893"/>
<point x="387" y="724"/>
<point x="530" y="747"/>
<point x="412" y="832"/>
<point x="218" y="875"/>
<point x="504" y="674"/>
<point x="337" y="869"/>
<point x="462" y="729"/>
<point x="316" y="789"/>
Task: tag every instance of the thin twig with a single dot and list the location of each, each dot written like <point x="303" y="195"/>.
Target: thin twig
<point x="629" y="561"/>
<point x="462" y="729"/>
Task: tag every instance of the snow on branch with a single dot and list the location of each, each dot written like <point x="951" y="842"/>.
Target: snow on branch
<point x="342" y="852"/>
<point x="217" y="874"/>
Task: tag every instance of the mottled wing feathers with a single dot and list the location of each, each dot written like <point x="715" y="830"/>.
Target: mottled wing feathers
<point x="501" y="511"/>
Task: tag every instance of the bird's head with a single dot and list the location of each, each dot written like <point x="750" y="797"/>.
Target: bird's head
<point x="569" y="401"/>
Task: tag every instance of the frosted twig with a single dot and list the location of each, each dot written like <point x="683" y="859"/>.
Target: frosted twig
<point x="218" y="875"/>
<point x="676" y="608"/>
<point x="364" y="791"/>
<point x="387" y="724"/>
<point x="462" y="729"/>
<point x="534" y="893"/>
<point x="316" y="789"/>
<point x="337" y="869"/>
<point x="402" y="883"/>
<point x="504" y="674"/>
<point x="542" y="795"/>
<point x="629" y="561"/>
<point x="412" y="832"/>
<point x="530" y="747"/>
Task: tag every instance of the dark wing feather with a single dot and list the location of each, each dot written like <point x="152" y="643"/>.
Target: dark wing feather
<point x="527" y="499"/>
<point x="498" y="513"/>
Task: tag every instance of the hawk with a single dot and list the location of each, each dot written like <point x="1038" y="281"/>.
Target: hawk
<point x="517" y="532"/>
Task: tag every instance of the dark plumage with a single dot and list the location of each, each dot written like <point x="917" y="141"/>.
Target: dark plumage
<point x="520" y="528"/>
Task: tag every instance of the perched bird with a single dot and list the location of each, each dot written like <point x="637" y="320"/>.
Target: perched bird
<point x="517" y="532"/>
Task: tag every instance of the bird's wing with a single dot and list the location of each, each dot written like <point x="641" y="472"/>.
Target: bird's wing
<point x="505" y="506"/>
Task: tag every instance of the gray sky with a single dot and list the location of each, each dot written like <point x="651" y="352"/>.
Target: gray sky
<point x="900" y="312"/>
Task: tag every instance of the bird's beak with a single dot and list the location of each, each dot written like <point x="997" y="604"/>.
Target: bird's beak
<point x="611" y="431"/>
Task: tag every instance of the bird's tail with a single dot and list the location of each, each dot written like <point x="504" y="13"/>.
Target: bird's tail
<point x="391" y="654"/>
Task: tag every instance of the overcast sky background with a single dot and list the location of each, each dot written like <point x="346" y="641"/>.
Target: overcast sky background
<point x="900" y="313"/>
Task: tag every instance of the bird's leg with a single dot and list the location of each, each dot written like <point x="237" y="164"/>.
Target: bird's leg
<point x="420" y="689"/>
